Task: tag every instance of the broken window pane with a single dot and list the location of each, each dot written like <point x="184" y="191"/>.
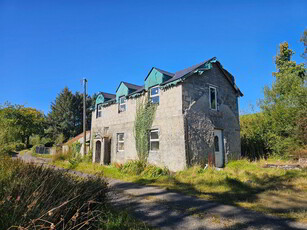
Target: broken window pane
<point x="154" y="145"/>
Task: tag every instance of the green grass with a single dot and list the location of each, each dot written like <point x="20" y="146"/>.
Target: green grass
<point x="36" y="197"/>
<point x="41" y="155"/>
<point x="242" y="183"/>
<point x="22" y="152"/>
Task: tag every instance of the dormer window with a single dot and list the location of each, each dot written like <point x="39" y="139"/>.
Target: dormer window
<point x="122" y="104"/>
<point x="155" y="95"/>
<point x="99" y="110"/>
<point x="212" y="98"/>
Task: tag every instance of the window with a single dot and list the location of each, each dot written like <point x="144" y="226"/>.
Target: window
<point x="155" y="95"/>
<point x="216" y="144"/>
<point x="120" y="141"/>
<point x="154" y="140"/>
<point x="99" y="110"/>
<point x="122" y="104"/>
<point x="212" y="98"/>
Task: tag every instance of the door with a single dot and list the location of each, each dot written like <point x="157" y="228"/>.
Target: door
<point x="218" y="148"/>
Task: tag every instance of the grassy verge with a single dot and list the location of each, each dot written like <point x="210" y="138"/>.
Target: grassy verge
<point x="272" y="191"/>
<point x="33" y="197"/>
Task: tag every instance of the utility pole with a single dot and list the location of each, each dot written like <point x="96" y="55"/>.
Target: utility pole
<point x="84" y="117"/>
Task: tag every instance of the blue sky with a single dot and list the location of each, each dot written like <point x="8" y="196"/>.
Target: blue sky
<point x="47" y="45"/>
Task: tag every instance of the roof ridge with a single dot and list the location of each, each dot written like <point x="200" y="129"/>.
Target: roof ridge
<point x="107" y="93"/>
<point x="131" y="84"/>
<point x="164" y="71"/>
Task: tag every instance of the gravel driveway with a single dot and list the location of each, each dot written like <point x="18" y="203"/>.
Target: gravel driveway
<point x="164" y="209"/>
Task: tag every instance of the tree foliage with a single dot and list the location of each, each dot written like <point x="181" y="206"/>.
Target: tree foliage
<point x="304" y="40"/>
<point x="285" y="103"/>
<point x="66" y="116"/>
<point x="282" y="124"/>
<point x="18" y="123"/>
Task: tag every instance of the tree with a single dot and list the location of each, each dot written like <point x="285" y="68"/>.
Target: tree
<point x="66" y="116"/>
<point x="18" y="123"/>
<point x="285" y="104"/>
<point x="304" y="40"/>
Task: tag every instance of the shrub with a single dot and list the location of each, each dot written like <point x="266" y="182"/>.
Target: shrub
<point x="133" y="167"/>
<point x="137" y="167"/>
<point x="154" y="171"/>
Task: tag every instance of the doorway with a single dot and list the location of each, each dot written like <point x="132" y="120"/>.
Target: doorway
<point x="107" y="151"/>
<point x="218" y="148"/>
<point x="98" y="151"/>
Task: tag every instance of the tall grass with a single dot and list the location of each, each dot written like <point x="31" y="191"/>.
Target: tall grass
<point x="34" y="197"/>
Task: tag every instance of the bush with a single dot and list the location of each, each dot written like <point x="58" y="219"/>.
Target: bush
<point x="10" y="148"/>
<point x="253" y="135"/>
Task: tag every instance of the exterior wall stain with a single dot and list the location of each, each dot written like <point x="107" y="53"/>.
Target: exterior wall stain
<point x="201" y="120"/>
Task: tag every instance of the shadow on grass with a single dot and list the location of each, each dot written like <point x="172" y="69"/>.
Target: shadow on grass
<point x="238" y="191"/>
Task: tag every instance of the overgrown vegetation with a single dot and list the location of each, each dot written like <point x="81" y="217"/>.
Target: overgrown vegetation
<point x="242" y="183"/>
<point x="281" y="127"/>
<point x="33" y="197"/>
<point x="141" y="168"/>
<point x="72" y="155"/>
<point x="145" y="114"/>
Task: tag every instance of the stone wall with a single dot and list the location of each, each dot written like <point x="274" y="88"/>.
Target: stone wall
<point x="200" y="120"/>
<point x="168" y="119"/>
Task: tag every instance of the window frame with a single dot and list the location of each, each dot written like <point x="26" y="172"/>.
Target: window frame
<point x="157" y="95"/>
<point x="121" y="104"/>
<point x="154" y="140"/>
<point x="99" y="110"/>
<point x="215" y="92"/>
<point x="120" y="141"/>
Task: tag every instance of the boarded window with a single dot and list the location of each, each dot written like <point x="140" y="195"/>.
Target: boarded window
<point x="120" y="142"/>
<point x="155" y="95"/>
<point x="154" y="140"/>
<point x="212" y="98"/>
